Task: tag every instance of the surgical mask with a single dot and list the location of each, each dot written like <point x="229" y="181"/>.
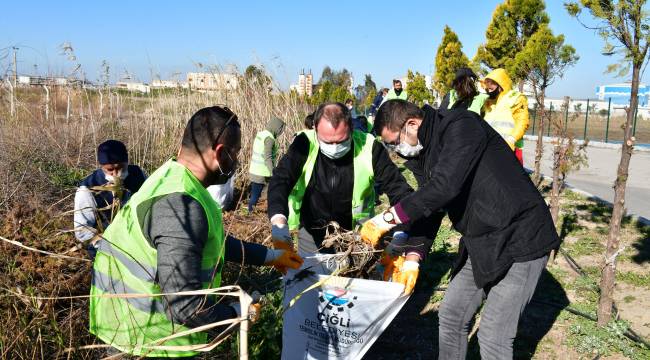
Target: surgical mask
<point x="494" y="93"/>
<point x="123" y="174"/>
<point x="335" y="151"/>
<point x="408" y="150"/>
<point x="404" y="148"/>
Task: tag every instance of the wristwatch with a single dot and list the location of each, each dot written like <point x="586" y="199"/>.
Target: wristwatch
<point x="389" y="217"/>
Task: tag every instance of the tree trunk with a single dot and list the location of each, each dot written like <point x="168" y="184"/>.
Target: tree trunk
<point x="539" y="149"/>
<point x="609" y="271"/>
<point x="557" y="183"/>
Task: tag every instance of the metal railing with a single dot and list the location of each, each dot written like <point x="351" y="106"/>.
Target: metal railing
<point x="591" y="122"/>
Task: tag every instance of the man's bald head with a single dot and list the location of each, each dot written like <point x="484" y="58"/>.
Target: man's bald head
<point x="333" y="112"/>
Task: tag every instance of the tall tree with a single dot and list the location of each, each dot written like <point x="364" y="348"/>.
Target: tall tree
<point x="513" y="23"/>
<point x="327" y="74"/>
<point x="624" y="26"/>
<point x="544" y="59"/>
<point x="256" y="76"/>
<point x="366" y="90"/>
<point x="416" y="87"/>
<point x="449" y="58"/>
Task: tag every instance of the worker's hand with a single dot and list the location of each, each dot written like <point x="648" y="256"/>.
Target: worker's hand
<point x="511" y="142"/>
<point x="280" y="234"/>
<point x="397" y="245"/>
<point x="283" y="259"/>
<point x="373" y="229"/>
<point x="407" y="275"/>
<point x="254" y="311"/>
<point x="391" y="264"/>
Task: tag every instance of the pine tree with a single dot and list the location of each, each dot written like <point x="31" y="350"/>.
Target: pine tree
<point x="449" y="58"/>
<point x="416" y="87"/>
<point x="513" y="23"/>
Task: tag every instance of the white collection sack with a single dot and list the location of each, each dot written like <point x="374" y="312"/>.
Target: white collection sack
<point x="340" y="318"/>
<point x="223" y="194"/>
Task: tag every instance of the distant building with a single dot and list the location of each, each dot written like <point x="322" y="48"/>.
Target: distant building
<point x="47" y="80"/>
<point x="620" y="93"/>
<point x="212" y="81"/>
<point x="305" y="85"/>
<point x="133" y="86"/>
<point x="167" y="84"/>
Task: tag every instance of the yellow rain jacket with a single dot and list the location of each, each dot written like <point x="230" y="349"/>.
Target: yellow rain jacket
<point x="508" y="113"/>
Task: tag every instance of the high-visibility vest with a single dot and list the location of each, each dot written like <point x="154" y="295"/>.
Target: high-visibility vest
<point x="475" y="106"/>
<point x="363" y="191"/>
<point x="258" y="159"/>
<point x="126" y="263"/>
<point x="499" y="115"/>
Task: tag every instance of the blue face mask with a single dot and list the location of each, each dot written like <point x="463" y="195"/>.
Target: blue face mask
<point x="335" y="151"/>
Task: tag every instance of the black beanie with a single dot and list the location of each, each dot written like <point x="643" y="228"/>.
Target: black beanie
<point x="465" y="72"/>
<point x="112" y="152"/>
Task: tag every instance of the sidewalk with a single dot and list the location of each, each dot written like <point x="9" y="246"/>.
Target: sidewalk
<point x="598" y="178"/>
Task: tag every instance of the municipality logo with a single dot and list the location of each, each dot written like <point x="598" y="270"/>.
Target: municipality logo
<point x="337" y="297"/>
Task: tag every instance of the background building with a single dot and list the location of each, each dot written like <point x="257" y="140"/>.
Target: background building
<point x="620" y="93"/>
<point x="305" y="85"/>
<point x="212" y="81"/>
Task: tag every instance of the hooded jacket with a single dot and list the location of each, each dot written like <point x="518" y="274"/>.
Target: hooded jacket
<point x="519" y="110"/>
<point x="471" y="173"/>
<point x="275" y="126"/>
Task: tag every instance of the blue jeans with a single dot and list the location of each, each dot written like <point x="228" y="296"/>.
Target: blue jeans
<point x="504" y="303"/>
<point x="256" y="192"/>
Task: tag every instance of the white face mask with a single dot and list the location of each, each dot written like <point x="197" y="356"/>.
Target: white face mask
<point x="335" y="151"/>
<point x="123" y="174"/>
<point x="408" y="150"/>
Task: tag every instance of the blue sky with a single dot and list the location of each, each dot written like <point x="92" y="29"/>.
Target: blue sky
<point x="383" y="38"/>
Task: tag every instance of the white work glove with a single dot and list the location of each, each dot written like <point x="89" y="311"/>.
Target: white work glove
<point x="281" y="237"/>
<point x="397" y="245"/>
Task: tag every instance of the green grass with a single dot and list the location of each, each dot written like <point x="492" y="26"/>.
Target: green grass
<point x="628" y="299"/>
<point x="586" y="245"/>
<point x="635" y="279"/>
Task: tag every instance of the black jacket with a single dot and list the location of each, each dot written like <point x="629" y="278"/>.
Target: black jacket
<point x="473" y="175"/>
<point x="328" y="196"/>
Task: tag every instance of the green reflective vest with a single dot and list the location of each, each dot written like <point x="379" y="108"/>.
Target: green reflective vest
<point x="258" y="160"/>
<point x="499" y="115"/>
<point x="127" y="264"/>
<point x="475" y="106"/>
<point x="363" y="191"/>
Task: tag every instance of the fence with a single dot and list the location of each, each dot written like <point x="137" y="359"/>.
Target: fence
<point x="592" y="123"/>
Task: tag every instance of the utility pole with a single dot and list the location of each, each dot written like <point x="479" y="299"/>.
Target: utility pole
<point x="15" y="67"/>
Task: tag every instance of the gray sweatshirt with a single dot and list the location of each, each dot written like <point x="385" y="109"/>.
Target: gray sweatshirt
<point x="177" y="226"/>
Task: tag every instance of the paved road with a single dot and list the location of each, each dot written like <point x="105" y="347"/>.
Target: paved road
<point x="598" y="178"/>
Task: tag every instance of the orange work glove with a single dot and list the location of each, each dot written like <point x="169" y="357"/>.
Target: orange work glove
<point x="407" y="275"/>
<point x="373" y="229"/>
<point x="391" y="265"/>
<point x="283" y="259"/>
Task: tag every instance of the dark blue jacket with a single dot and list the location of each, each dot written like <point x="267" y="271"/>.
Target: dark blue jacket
<point x="104" y="199"/>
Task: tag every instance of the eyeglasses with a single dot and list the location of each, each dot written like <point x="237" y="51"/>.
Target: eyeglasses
<point x="392" y="145"/>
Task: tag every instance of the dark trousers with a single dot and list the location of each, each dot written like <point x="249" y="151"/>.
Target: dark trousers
<point x="256" y="192"/>
<point x="504" y="303"/>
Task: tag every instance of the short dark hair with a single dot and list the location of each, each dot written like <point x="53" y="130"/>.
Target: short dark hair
<point x="309" y="121"/>
<point x="348" y="101"/>
<point x="394" y="113"/>
<point x="465" y="87"/>
<point x="397" y="81"/>
<point x="208" y="127"/>
<point x="334" y="113"/>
